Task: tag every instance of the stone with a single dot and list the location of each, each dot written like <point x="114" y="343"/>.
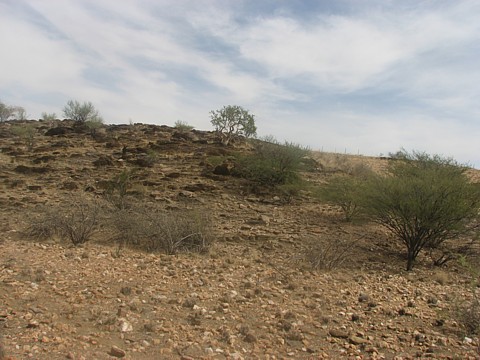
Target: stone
<point x="117" y="352"/>
<point x="338" y="333"/>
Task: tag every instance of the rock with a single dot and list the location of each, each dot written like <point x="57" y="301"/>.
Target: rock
<point x="57" y="131"/>
<point x="125" y="326"/>
<point x="355" y="340"/>
<point x="338" y="333"/>
<point x="363" y="298"/>
<point x="250" y="338"/>
<point x="117" y="352"/>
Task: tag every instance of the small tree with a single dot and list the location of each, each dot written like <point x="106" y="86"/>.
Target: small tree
<point x="81" y="112"/>
<point x="424" y="200"/>
<point x="233" y="120"/>
<point x="21" y="113"/>
<point x="6" y="111"/>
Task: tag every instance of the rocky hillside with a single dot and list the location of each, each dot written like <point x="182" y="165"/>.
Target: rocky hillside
<point x="253" y="295"/>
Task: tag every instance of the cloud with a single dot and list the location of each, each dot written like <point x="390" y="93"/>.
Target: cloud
<point x="370" y="77"/>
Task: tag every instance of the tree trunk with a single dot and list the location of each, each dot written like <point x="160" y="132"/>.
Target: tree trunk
<point x="410" y="260"/>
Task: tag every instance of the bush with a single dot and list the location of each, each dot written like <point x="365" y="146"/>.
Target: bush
<point x="26" y="133"/>
<point x="424" y="200"/>
<point x="332" y="253"/>
<point x="346" y="190"/>
<point x="75" y="223"/>
<point x="79" y="222"/>
<point x="7" y="112"/>
<point x="272" y="163"/>
<point x="155" y="229"/>
<point x="49" y="117"/>
<point x="81" y="112"/>
<point x="117" y="188"/>
<point x="183" y="126"/>
<point x="93" y="125"/>
<point x="231" y="121"/>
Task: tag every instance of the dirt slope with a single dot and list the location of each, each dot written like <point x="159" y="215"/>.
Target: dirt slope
<point x="253" y="296"/>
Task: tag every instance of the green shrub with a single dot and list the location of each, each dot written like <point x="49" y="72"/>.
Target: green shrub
<point x="93" y="125"/>
<point x="424" y="200"/>
<point x="231" y="121"/>
<point x="81" y="112"/>
<point x="271" y="164"/>
<point x="117" y="188"/>
<point x="345" y="190"/>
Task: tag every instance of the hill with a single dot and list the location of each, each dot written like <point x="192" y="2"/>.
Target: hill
<point x="253" y="295"/>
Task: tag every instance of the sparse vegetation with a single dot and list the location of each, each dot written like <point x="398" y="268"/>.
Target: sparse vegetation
<point x="75" y="222"/>
<point x="27" y="133"/>
<point x="183" y="126"/>
<point x="330" y="254"/>
<point x="155" y="229"/>
<point x="424" y="201"/>
<point x="7" y="112"/>
<point x="232" y="121"/>
<point x="116" y="192"/>
<point x="93" y="125"/>
<point x="49" y="116"/>
<point x="272" y="163"/>
<point x="81" y="112"/>
<point x="345" y="190"/>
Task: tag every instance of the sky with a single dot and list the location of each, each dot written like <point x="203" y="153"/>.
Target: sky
<point x="357" y="76"/>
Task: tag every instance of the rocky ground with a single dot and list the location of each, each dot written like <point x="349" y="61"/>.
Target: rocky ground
<point x="254" y="295"/>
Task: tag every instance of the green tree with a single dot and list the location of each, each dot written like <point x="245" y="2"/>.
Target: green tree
<point x="424" y="200"/>
<point x="231" y="121"/>
<point x="81" y="112"/>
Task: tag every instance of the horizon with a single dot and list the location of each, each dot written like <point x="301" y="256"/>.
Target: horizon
<point x="363" y="79"/>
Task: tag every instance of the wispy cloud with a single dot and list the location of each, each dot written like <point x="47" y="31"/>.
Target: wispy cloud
<point x="336" y="75"/>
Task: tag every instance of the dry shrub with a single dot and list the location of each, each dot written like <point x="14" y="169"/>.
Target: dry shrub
<point x="158" y="229"/>
<point x="331" y="254"/>
<point x="468" y="315"/>
<point x="76" y="222"/>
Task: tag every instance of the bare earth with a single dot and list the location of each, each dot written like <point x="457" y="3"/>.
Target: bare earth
<point x="253" y="296"/>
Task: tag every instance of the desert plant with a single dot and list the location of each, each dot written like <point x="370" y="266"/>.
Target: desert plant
<point x="79" y="221"/>
<point x="21" y="113"/>
<point x="26" y="132"/>
<point x="75" y="221"/>
<point x="332" y="253"/>
<point x="272" y="163"/>
<point x="156" y="229"/>
<point x="345" y="190"/>
<point x="49" y="116"/>
<point x="81" y="112"/>
<point x="467" y="312"/>
<point x="6" y="111"/>
<point x="231" y="121"/>
<point x="116" y="192"/>
<point x="183" y="126"/>
<point x="424" y="200"/>
<point x="94" y="124"/>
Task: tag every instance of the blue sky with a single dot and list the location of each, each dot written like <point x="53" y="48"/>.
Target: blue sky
<point x="347" y="75"/>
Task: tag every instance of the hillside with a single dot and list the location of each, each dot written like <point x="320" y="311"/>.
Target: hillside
<point x="254" y="295"/>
